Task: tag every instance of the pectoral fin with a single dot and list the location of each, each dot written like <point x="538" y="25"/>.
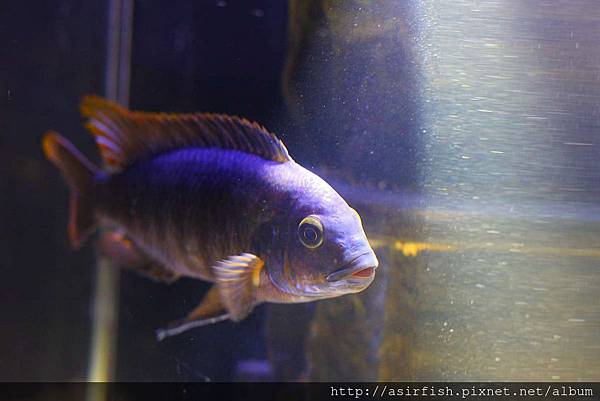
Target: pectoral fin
<point x="237" y="278"/>
<point x="232" y="297"/>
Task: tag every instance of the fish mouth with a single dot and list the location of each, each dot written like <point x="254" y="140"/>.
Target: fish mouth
<point x="360" y="268"/>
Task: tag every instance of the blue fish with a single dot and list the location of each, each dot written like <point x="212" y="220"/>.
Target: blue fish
<point x="216" y="198"/>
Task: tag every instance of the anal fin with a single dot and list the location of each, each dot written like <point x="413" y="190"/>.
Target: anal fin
<point x="126" y="255"/>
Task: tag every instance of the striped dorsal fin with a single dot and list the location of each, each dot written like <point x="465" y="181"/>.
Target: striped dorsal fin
<point x="124" y="136"/>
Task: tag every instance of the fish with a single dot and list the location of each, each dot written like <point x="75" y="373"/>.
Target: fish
<point x="211" y="197"/>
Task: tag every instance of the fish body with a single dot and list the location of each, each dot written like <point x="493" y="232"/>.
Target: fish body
<point x="187" y="209"/>
<point x="214" y="198"/>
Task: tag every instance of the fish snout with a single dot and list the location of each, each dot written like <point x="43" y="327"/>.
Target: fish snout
<point x="361" y="268"/>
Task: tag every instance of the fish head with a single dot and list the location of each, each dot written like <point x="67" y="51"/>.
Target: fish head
<point x="324" y="249"/>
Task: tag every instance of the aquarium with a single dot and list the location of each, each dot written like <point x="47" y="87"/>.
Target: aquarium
<point x="465" y="134"/>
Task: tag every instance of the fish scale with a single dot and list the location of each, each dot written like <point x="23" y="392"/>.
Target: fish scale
<point x="206" y="189"/>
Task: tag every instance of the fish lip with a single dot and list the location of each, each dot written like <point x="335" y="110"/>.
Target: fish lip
<point x="354" y="266"/>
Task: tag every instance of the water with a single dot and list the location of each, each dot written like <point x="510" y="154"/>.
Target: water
<point x="464" y="132"/>
<point x="512" y="125"/>
<point x="491" y="205"/>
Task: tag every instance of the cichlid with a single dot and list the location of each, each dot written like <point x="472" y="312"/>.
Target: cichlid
<point x="216" y="198"/>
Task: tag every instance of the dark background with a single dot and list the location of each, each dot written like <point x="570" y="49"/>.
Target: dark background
<point x="187" y="56"/>
<point x="49" y="58"/>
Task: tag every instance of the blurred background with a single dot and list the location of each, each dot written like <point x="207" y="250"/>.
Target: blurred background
<point x="464" y="132"/>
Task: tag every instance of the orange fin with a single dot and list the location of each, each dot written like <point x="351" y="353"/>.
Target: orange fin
<point x="124" y="136"/>
<point x="125" y="254"/>
<point x="211" y="310"/>
<point x="80" y="174"/>
<point x="210" y="306"/>
<point x="237" y="278"/>
<point x="232" y="298"/>
<point x="179" y="327"/>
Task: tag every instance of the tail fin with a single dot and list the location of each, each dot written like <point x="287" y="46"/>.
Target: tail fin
<point x="79" y="174"/>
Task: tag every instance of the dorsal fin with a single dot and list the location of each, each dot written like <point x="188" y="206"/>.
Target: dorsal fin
<point x="124" y="136"/>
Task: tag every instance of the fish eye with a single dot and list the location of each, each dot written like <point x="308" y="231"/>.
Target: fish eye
<point x="310" y="232"/>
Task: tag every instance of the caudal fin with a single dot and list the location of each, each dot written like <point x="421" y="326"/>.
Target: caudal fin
<point x="79" y="174"/>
